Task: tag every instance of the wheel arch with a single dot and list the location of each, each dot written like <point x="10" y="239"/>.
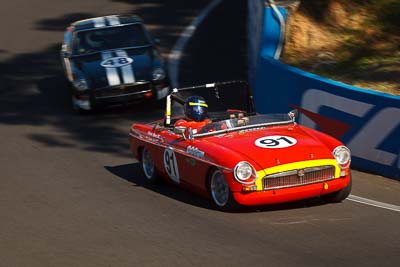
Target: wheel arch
<point x="210" y="171"/>
<point x="139" y="151"/>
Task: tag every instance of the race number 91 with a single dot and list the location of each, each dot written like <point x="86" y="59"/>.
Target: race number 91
<point x="171" y="165"/>
<point x="275" y="141"/>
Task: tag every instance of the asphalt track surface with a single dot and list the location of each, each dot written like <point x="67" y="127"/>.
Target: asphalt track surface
<point x="71" y="195"/>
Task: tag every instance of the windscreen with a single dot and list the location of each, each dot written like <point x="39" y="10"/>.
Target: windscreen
<point x="90" y="41"/>
<point x="257" y="121"/>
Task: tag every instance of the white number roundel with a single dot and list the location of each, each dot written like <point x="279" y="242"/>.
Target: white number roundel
<point x="275" y="141"/>
<point x="115" y="62"/>
<point x="171" y="165"/>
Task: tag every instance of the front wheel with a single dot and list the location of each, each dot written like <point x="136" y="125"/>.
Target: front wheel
<point x="220" y="192"/>
<point x="338" y="196"/>
<point x="77" y="109"/>
<point x="148" y="167"/>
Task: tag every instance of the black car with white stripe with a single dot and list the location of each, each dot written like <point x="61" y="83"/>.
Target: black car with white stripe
<point x="112" y="60"/>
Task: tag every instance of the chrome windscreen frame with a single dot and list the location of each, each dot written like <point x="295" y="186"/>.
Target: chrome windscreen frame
<point x="245" y="127"/>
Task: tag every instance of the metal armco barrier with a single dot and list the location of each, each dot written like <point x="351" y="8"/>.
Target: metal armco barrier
<point x="368" y="122"/>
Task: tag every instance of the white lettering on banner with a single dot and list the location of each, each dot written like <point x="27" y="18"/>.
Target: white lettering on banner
<point x="374" y="130"/>
<point x="314" y="99"/>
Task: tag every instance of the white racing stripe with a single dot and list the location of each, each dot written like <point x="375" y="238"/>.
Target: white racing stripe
<point x="374" y="203"/>
<point x="112" y="73"/>
<point x="127" y="70"/>
<point x="113" y="20"/>
<point x="99" y="22"/>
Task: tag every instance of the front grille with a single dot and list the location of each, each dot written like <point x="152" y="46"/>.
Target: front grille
<point x="122" y="90"/>
<point x="292" y="178"/>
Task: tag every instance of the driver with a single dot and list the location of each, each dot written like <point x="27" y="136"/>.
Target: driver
<point x="94" y="39"/>
<point x="195" y="110"/>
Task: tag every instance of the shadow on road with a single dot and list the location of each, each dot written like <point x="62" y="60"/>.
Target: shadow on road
<point x="33" y="91"/>
<point x="61" y="23"/>
<point x="133" y="173"/>
<point x="166" y="19"/>
<point x="218" y="50"/>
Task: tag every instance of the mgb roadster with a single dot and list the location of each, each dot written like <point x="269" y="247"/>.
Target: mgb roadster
<point x="238" y="157"/>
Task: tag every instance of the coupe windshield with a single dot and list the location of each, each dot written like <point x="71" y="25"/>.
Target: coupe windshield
<point x="90" y="41"/>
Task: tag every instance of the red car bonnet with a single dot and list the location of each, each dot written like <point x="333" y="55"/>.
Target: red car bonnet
<point x="298" y="146"/>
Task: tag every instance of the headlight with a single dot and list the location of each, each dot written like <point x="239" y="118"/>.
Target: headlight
<point x="342" y="156"/>
<point x="158" y="74"/>
<point x="80" y="84"/>
<point x="244" y="173"/>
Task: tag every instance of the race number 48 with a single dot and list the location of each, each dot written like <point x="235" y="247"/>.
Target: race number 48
<point x="116" y="62"/>
<point x="275" y="141"/>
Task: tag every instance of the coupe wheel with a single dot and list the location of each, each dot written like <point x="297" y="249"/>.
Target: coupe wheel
<point x="340" y="195"/>
<point x="149" y="167"/>
<point x="78" y="110"/>
<point x="220" y="192"/>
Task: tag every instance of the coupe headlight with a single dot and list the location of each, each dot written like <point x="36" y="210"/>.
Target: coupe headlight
<point x="342" y="156"/>
<point x="158" y="74"/>
<point x="80" y="84"/>
<point x="244" y="173"/>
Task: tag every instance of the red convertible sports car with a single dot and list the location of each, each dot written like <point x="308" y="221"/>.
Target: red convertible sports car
<point x="240" y="157"/>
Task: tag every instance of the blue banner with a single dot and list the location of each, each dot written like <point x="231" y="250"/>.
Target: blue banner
<point x="368" y="122"/>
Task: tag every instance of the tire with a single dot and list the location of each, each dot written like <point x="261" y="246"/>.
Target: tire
<point x="220" y="193"/>
<point x="338" y="196"/>
<point x="148" y="167"/>
<point x="77" y="109"/>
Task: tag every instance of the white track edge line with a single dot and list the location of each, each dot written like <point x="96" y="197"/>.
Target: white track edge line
<point x="373" y="203"/>
<point x="177" y="51"/>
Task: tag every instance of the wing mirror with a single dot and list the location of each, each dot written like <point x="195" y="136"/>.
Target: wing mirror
<point x="64" y="51"/>
<point x="64" y="54"/>
<point x="181" y="130"/>
<point x="293" y="114"/>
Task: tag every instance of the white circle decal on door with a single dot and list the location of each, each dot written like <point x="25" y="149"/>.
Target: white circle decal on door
<point x="171" y="165"/>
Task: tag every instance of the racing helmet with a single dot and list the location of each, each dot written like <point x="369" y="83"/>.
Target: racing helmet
<point x="195" y="108"/>
<point x="94" y="39"/>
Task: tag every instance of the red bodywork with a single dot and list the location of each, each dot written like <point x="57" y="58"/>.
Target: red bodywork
<point x="197" y="157"/>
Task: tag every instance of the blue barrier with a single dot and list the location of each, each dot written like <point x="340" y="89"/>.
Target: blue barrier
<point x="254" y="29"/>
<point x="368" y="122"/>
<point x="271" y="32"/>
<point x="264" y="31"/>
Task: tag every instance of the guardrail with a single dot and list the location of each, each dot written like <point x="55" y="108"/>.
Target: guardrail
<point x="368" y="122"/>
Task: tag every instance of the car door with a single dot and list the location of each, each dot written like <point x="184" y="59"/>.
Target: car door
<point x="189" y="162"/>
